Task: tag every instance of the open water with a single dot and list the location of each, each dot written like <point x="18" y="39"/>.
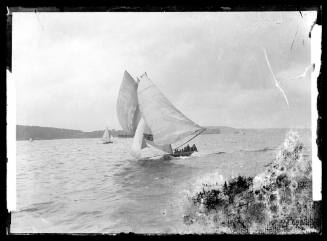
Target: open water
<point x="82" y="186"/>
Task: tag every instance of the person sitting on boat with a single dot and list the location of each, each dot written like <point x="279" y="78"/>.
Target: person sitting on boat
<point x="188" y="148"/>
<point x="194" y="148"/>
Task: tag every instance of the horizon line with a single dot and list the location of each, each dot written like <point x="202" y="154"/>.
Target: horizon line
<point x="239" y="128"/>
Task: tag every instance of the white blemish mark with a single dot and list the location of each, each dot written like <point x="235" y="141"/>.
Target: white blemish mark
<point x="38" y="19"/>
<point x="277" y="84"/>
<point x="297" y="28"/>
<point x="280" y="19"/>
<point x="11" y="142"/>
<point x="311" y="28"/>
<point x="45" y="221"/>
<point x="316" y="163"/>
<point x="8" y="12"/>
<point x="310" y="68"/>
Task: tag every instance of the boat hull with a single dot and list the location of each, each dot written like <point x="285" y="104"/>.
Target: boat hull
<point x="107" y="142"/>
<point x="186" y="153"/>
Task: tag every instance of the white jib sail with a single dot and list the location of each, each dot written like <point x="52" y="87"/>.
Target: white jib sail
<point x="138" y="139"/>
<point x="147" y="130"/>
<point x="168" y="125"/>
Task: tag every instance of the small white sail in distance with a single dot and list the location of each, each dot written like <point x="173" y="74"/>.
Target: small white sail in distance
<point x="106" y="136"/>
<point x="168" y="125"/>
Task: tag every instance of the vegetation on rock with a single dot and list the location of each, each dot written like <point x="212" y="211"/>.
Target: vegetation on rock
<point x="279" y="200"/>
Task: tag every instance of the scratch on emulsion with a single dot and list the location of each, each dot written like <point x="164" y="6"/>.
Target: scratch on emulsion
<point x="277" y="83"/>
<point x="310" y="69"/>
<point x="38" y="19"/>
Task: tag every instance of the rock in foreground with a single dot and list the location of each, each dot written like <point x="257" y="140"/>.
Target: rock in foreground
<point x="279" y="200"/>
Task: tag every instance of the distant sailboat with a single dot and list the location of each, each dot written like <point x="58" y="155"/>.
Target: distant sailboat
<point x="144" y="110"/>
<point x="106" y="138"/>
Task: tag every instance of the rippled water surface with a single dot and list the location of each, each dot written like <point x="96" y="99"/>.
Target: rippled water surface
<point x="81" y="185"/>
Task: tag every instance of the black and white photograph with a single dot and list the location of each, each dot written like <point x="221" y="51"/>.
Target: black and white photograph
<point x="163" y="122"/>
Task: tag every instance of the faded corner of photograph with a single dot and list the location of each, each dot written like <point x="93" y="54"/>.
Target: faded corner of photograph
<point x="163" y="122"/>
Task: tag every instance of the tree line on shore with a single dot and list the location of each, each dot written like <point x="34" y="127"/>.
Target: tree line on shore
<point x="48" y="133"/>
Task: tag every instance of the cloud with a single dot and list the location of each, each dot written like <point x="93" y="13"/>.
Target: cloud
<point x="210" y="65"/>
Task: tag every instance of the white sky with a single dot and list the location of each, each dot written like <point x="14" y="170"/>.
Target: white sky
<point x="68" y="67"/>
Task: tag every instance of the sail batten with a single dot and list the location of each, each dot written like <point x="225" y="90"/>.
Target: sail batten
<point x="167" y="123"/>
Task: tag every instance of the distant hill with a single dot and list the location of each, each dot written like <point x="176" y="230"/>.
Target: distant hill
<point x="48" y="133"/>
<point x="220" y="130"/>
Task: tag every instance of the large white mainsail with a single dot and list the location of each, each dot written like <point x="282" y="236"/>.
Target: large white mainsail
<point x="127" y="104"/>
<point x="129" y="115"/>
<point x="168" y="125"/>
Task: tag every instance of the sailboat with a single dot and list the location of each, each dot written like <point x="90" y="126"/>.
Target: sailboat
<point x="144" y="111"/>
<point x="106" y="138"/>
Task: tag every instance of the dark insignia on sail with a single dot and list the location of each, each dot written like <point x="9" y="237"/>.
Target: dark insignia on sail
<point x="148" y="137"/>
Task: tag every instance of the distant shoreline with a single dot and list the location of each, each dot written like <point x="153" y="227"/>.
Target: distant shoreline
<point x="24" y="133"/>
<point x="50" y="133"/>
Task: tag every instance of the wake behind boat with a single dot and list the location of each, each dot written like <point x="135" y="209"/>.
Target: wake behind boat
<point x="145" y="112"/>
